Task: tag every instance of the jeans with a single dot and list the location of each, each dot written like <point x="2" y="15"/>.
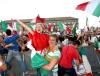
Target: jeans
<point x="70" y="71"/>
<point x="15" y="54"/>
<point x="52" y="73"/>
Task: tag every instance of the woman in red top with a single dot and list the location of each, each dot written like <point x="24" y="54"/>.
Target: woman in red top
<point x="39" y="39"/>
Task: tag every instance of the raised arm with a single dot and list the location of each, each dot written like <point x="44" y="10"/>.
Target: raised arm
<point x="25" y="26"/>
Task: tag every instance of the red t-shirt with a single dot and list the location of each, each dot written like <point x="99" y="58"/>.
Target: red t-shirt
<point x="39" y="40"/>
<point x="68" y="54"/>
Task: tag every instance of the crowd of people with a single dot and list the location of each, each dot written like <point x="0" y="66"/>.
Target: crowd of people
<point x="52" y="54"/>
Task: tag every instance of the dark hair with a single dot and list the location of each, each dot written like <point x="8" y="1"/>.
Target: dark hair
<point x="8" y="32"/>
<point x="71" y="38"/>
<point x="98" y="39"/>
<point x="61" y="38"/>
<point x="55" y="36"/>
<point x="77" y="42"/>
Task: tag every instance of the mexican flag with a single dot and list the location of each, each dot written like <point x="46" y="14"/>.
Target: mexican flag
<point x="96" y="44"/>
<point x="60" y="25"/>
<point x="50" y="27"/>
<point x="68" y="30"/>
<point x="38" y="19"/>
<point x="74" y="30"/>
<point x="47" y="24"/>
<point x="4" y="26"/>
<point x="10" y="26"/>
<point x="16" y="26"/>
<point x="37" y="60"/>
<point x="92" y="7"/>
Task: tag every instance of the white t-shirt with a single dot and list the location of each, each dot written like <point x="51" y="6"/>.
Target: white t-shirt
<point x="55" y="55"/>
<point x="84" y="44"/>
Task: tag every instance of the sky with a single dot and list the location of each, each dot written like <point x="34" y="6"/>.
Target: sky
<point x="28" y="9"/>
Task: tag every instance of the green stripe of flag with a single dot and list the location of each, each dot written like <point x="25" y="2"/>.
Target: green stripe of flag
<point x="60" y="26"/>
<point x="74" y="30"/>
<point x="4" y="26"/>
<point x="47" y="24"/>
<point x="30" y="26"/>
<point x="97" y="11"/>
<point x="17" y="26"/>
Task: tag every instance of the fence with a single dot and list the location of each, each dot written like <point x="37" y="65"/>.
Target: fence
<point x="92" y="55"/>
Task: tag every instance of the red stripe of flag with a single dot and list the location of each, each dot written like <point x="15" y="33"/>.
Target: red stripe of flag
<point x="82" y="6"/>
<point x="40" y="20"/>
